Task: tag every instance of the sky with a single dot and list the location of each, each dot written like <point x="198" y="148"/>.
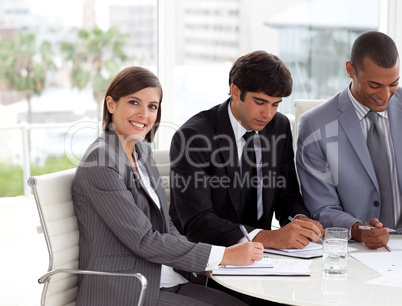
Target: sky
<point x="70" y="12"/>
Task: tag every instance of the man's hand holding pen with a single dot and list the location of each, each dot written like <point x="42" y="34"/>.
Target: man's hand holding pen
<point x="296" y="234"/>
<point x="371" y="233"/>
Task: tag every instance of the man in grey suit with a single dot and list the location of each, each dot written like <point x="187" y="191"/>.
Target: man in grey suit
<point x="344" y="181"/>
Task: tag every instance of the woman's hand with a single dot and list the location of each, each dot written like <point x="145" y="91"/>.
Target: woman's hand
<point x="243" y="254"/>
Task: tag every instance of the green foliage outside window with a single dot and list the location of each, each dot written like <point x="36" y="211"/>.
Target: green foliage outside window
<point x="11" y="176"/>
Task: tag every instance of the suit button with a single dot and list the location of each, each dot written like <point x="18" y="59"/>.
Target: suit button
<point x="376" y="203"/>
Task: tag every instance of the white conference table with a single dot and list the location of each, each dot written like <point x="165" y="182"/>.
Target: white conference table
<point x="316" y="289"/>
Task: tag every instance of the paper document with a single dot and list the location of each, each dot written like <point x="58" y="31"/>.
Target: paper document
<point x="388" y="264"/>
<point x="380" y="261"/>
<point x="265" y="262"/>
<point x="394" y="245"/>
<point x="285" y="267"/>
<point x="392" y="278"/>
<point x="312" y="250"/>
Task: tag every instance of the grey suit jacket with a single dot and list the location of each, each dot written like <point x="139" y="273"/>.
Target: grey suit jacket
<point x="122" y="229"/>
<point x="336" y="173"/>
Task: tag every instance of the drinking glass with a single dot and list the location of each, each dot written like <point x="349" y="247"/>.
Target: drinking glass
<point x="335" y="251"/>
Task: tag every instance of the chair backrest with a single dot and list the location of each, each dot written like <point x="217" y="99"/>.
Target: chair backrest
<point x="53" y="197"/>
<point x="163" y="163"/>
<point x="302" y="106"/>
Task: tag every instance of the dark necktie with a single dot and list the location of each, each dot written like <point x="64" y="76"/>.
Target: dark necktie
<point x="378" y="153"/>
<point x="249" y="188"/>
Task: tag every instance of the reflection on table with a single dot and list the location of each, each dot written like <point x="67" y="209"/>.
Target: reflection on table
<point x="316" y="289"/>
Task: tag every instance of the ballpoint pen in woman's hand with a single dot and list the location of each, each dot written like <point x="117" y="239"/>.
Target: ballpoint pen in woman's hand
<point x="245" y="233"/>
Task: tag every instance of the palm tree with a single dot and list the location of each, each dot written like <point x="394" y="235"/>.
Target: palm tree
<point x="24" y="64"/>
<point x="94" y="59"/>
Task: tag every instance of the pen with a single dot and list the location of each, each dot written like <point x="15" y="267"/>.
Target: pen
<point x="244" y="231"/>
<point x="291" y="219"/>
<point x="365" y="227"/>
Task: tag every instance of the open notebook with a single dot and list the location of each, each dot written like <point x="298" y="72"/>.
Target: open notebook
<point x="312" y="250"/>
<point x="265" y="262"/>
<point x="284" y="267"/>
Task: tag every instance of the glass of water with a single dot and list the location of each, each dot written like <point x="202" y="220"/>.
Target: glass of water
<point x="335" y="251"/>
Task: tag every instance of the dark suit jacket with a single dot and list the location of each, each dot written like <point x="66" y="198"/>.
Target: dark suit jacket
<point x="122" y="229"/>
<point x="205" y="193"/>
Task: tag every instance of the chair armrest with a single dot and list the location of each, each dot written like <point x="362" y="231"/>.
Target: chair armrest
<point x="44" y="278"/>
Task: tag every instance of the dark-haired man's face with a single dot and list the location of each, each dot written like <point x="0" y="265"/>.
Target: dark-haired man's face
<point x="373" y="85"/>
<point x="255" y="111"/>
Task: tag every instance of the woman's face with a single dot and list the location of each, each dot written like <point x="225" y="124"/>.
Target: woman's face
<point x="134" y="115"/>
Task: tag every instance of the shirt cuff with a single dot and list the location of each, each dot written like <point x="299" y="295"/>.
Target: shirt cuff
<point x="299" y="215"/>
<point x="215" y="257"/>
<point x="252" y="234"/>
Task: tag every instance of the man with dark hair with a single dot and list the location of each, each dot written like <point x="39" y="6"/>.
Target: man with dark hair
<point x="220" y="180"/>
<point x="349" y="156"/>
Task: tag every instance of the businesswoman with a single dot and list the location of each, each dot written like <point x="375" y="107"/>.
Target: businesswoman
<point x="122" y="210"/>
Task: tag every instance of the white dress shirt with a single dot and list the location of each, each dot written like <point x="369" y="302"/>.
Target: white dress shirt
<point x="239" y="131"/>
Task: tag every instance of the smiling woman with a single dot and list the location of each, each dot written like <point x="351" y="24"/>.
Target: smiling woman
<point x="122" y="211"/>
<point x="134" y="115"/>
<point x="140" y="107"/>
<point x="131" y="109"/>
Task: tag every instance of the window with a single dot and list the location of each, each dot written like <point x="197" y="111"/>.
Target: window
<point x="191" y="45"/>
<point x="312" y="37"/>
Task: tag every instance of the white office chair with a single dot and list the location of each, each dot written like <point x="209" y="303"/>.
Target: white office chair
<point x="302" y="106"/>
<point x="163" y="163"/>
<point x="53" y="198"/>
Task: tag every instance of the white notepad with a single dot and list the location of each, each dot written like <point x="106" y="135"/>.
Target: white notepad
<point x="265" y="262"/>
<point x="312" y="250"/>
<point x="310" y="247"/>
<point x="283" y="267"/>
